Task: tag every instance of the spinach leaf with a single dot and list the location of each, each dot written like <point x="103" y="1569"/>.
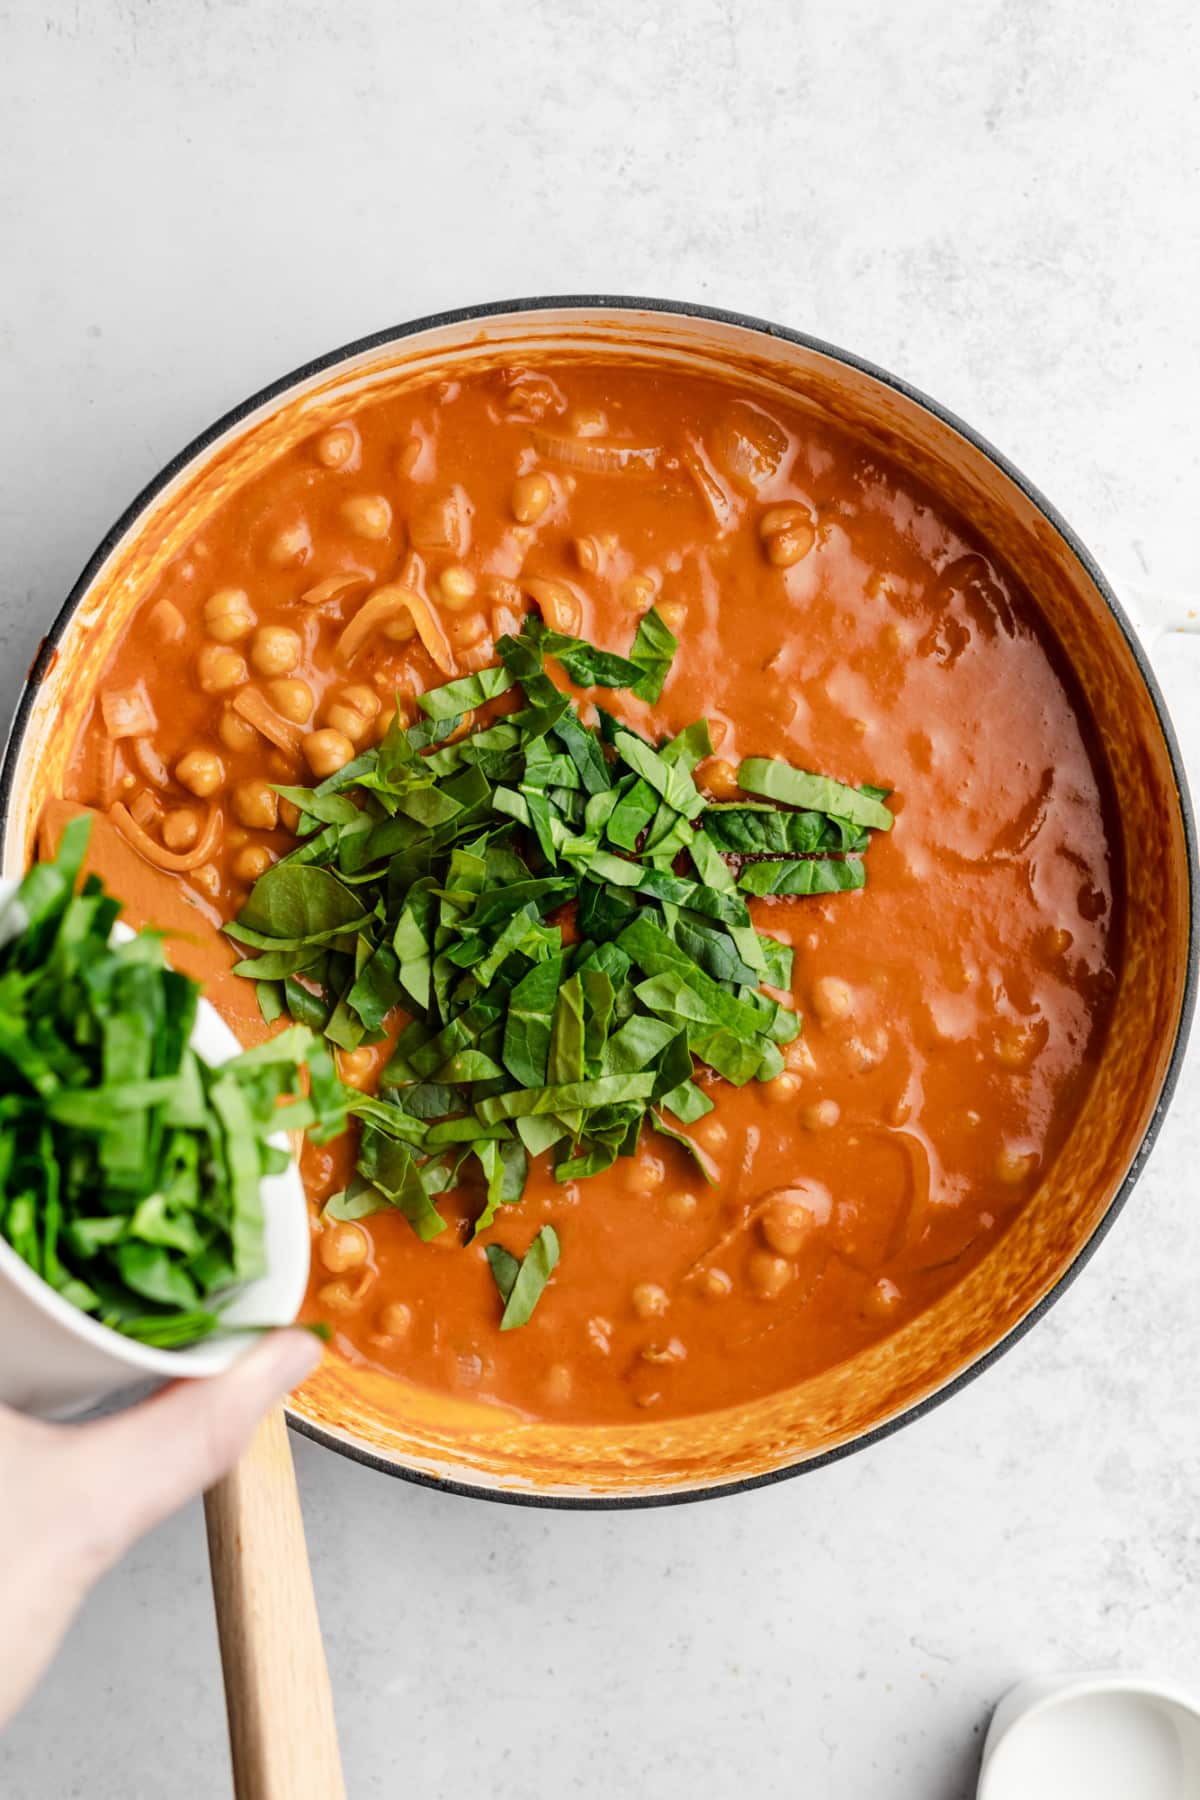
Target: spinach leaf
<point x="814" y="875"/>
<point x="653" y="652"/>
<point x="522" y="1284"/>
<point x="818" y="793"/>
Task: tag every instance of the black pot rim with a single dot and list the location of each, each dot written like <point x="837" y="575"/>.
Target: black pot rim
<point x="626" y="303"/>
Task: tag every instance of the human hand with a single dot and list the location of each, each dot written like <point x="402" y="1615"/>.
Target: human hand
<point x="73" y="1498"/>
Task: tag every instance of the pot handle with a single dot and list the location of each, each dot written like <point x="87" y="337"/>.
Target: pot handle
<point x="1156" y="612"/>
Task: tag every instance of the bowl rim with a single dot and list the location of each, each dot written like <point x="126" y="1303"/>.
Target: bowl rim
<point x="594" y="303"/>
<point x="1041" y="1695"/>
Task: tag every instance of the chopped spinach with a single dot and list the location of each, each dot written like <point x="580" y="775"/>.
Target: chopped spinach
<point x="431" y="877"/>
<point x="130" y="1170"/>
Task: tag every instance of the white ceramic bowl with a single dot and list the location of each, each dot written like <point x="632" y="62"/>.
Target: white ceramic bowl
<point x="55" y="1360"/>
<point x="1093" y="1737"/>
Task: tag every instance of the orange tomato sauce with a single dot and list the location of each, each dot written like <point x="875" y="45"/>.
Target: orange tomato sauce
<point x="830" y="611"/>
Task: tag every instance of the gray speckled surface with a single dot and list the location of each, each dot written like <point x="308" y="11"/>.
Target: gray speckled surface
<point x="1000" y="201"/>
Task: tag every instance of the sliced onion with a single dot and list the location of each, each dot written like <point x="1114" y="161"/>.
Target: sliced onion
<point x="167" y="621"/>
<point x="278" y="731"/>
<point x="127" y="712"/>
<point x="145" y="808"/>
<point x="442" y="525"/>
<point x="722" y="506"/>
<point x="110" y="772"/>
<point x="334" y="586"/>
<point x="599" y="459"/>
<point x="150" y="762"/>
<point x="385" y="604"/>
<point x="750" y="445"/>
<point x="560" y="605"/>
<point x="158" y="854"/>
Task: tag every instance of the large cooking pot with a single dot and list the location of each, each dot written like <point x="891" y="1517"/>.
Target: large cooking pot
<point x="482" y="1450"/>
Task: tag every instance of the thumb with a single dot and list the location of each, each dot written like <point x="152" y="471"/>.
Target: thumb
<point x="139" y="1466"/>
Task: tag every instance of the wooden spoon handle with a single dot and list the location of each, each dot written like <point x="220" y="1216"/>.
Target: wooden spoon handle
<point x="282" y="1733"/>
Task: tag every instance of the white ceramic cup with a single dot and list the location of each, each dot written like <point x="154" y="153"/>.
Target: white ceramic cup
<point x="1098" y="1736"/>
<point x="56" y="1361"/>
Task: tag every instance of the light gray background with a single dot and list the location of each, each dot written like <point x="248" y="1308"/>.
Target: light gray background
<point x="999" y="201"/>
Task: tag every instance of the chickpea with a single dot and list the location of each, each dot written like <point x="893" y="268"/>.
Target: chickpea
<point x="673" y="614"/>
<point x="863" y="1053"/>
<point x="281" y="766"/>
<point x="637" y="593"/>
<point x="1052" y="942"/>
<point x="881" y="1299"/>
<point x="456" y="586"/>
<point x="682" y="1207"/>
<point x="208" y="879"/>
<point x="341" y="1246"/>
<point x="531" y="496"/>
<point x="289" y="815"/>
<point x="237" y="734"/>
<point x="715" y="1284"/>
<point x="180" y="829"/>
<point x="201" y="772"/>
<point x="821" y="1115"/>
<point x="400" y="629"/>
<point x="787" y="1225"/>
<point x="256" y="805"/>
<point x="782" y="1087"/>
<point x="558" y="1384"/>
<point x="1015" y="1045"/>
<point x="649" y="1300"/>
<point x="468" y="631"/>
<point x="832" y="998"/>
<point x="218" y="669"/>
<point x="337" y="446"/>
<point x="291" y="545"/>
<point x="252" y="862"/>
<point x="673" y="1351"/>
<point x="367" y="516"/>
<point x="787" y="534"/>
<point x="587" y="554"/>
<point x="711" y="1133"/>
<point x="768" y="1275"/>
<point x="1014" y="1165"/>
<point x="645" y="1174"/>
<point x="228" y="615"/>
<point x="719" y="777"/>
<point x="353" y="711"/>
<point x="275" y="650"/>
<point x="327" y="751"/>
<point x="344" y="1296"/>
<point x="356" y="1066"/>
<point x="292" y="699"/>
<point x="395" y="1319"/>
